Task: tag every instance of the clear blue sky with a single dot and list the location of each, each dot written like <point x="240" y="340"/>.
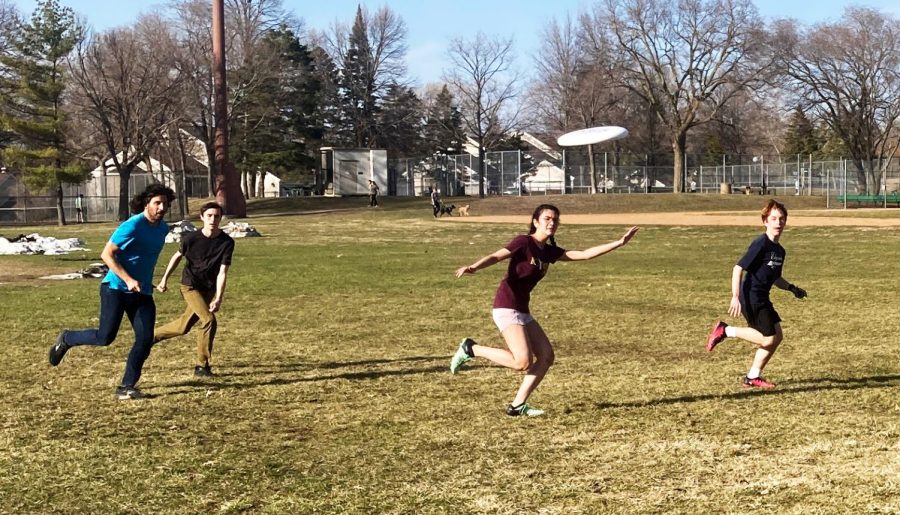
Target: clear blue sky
<point x="432" y="24"/>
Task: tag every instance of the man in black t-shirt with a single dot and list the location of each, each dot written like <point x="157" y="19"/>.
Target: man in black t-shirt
<point x="763" y="263"/>
<point x="208" y="256"/>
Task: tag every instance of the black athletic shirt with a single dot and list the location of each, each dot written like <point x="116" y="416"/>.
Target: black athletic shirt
<point x="204" y="257"/>
<point x="763" y="263"/>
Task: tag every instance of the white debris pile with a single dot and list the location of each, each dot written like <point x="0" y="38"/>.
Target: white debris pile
<point x="240" y="230"/>
<point x="37" y="244"/>
<point x="94" y="270"/>
<point x="233" y="229"/>
<point x="177" y="229"/>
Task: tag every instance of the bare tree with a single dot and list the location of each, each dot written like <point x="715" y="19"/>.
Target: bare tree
<point x="557" y="64"/>
<point x="9" y="18"/>
<point x="847" y="73"/>
<point x="250" y="64"/>
<point x="686" y="58"/>
<point x="125" y="82"/>
<point x="9" y="21"/>
<point x="483" y="83"/>
<point x="577" y="88"/>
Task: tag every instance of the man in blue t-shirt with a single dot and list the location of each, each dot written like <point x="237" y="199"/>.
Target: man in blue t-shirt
<point x="131" y="255"/>
<point x="763" y="263"/>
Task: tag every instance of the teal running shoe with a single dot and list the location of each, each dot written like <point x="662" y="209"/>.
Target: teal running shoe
<point x="463" y="355"/>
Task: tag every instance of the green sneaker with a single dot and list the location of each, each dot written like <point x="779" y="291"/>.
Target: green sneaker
<point x="463" y="355"/>
<point x="523" y="410"/>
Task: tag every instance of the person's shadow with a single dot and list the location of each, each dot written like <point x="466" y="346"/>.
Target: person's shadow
<point x="275" y="374"/>
<point x="802" y="386"/>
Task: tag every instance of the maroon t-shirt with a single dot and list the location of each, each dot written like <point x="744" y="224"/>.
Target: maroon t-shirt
<point x="528" y="264"/>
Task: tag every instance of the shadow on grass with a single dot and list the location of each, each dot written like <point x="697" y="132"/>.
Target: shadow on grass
<point x="811" y="385"/>
<point x="281" y="374"/>
<point x="255" y="369"/>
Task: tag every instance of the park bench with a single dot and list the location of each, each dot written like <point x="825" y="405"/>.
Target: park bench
<point x="875" y="200"/>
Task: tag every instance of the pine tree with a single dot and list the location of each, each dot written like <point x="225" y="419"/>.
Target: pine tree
<point x="328" y="112"/>
<point x="712" y="154"/>
<point x="358" y="86"/>
<point x="801" y="136"/>
<point x="277" y="130"/>
<point x="33" y="110"/>
<point x="400" y="122"/>
<point x="443" y="125"/>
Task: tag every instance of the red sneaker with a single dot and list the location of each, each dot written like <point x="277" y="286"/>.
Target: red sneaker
<point x="716" y="335"/>
<point x="757" y="383"/>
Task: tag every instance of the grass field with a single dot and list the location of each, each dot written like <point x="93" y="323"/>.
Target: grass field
<point x="334" y="395"/>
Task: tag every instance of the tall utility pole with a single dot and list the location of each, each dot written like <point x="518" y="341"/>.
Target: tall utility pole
<point x="228" y="188"/>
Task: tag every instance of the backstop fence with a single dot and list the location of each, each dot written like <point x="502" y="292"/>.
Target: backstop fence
<point x="844" y="183"/>
<point x="841" y="181"/>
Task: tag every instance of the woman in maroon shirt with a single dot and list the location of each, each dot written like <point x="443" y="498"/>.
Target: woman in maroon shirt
<point x="529" y="258"/>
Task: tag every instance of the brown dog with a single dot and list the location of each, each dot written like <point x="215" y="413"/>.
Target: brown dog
<point x="463" y="210"/>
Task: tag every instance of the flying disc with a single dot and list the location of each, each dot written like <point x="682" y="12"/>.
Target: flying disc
<point x="592" y="136"/>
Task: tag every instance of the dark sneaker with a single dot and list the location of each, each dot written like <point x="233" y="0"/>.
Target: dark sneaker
<point x="127" y="393"/>
<point x="58" y="350"/>
<point x="524" y="410"/>
<point x="716" y="335"/>
<point x="757" y="383"/>
<point x="203" y="371"/>
<point x="463" y="355"/>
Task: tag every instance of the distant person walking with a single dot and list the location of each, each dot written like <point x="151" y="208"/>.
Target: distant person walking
<point x="131" y="254"/>
<point x="208" y="256"/>
<point x="436" y="201"/>
<point x="763" y="263"/>
<point x="79" y="208"/>
<point x="529" y="257"/>
<point x="373" y="194"/>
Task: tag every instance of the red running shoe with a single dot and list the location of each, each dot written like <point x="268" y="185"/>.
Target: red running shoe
<point x="757" y="383"/>
<point x="716" y="335"/>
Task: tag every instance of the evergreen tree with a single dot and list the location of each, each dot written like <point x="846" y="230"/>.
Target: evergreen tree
<point x="328" y="113"/>
<point x="33" y="108"/>
<point x="277" y="131"/>
<point x="400" y="122"/>
<point x="358" y="86"/>
<point x="443" y="126"/>
<point x="713" y="152"/>
<point x="801" y="136"/>
<point x="833" y="146"/>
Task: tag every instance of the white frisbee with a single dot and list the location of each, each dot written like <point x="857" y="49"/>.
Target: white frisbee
<point x="592" y="135"/>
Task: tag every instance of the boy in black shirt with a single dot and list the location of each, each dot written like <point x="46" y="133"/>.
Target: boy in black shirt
<point x="208" y="254"/>
<point x="763" y="263"/>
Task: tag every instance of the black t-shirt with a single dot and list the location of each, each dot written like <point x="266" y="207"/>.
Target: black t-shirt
<point x="204" y="256"/>
<point x="763" y="262"/>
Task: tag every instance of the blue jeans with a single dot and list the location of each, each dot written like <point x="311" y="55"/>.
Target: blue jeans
<point x="141" y="312"/>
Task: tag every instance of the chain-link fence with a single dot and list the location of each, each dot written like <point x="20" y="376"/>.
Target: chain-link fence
<point x="568" y="171"/>
<point x="98" y="199"/>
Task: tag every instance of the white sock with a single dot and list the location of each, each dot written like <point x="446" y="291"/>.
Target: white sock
<point x="730" y="331"/>
<point x="753" y="373"/>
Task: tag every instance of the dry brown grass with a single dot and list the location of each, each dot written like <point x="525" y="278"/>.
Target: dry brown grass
<point x="334" y="395"/>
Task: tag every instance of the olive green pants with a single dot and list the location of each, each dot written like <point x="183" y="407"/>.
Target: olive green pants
<point x="196" y="313"/>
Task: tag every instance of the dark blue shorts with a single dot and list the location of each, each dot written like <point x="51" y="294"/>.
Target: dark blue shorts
<point x="761" y="317"/>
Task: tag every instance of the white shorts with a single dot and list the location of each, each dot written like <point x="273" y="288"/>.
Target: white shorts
<point x="505" y="317"/>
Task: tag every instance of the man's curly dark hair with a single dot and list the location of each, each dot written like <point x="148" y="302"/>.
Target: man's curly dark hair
<point x="140" y="201"/>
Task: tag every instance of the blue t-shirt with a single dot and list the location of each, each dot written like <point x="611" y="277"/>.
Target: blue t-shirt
<point x="139" y="244"/>
<point x="763" y="263"/>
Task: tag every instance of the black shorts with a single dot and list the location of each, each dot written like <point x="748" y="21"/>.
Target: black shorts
<point x="761" y="317"/>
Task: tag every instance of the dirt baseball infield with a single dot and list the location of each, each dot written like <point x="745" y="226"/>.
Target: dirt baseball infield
<point x="796" y="219"/>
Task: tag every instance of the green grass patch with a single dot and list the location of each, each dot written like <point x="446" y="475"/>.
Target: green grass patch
<point x="334" y="395"/>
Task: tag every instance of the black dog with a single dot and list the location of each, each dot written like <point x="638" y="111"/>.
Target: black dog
<point x="447" y="210"/>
